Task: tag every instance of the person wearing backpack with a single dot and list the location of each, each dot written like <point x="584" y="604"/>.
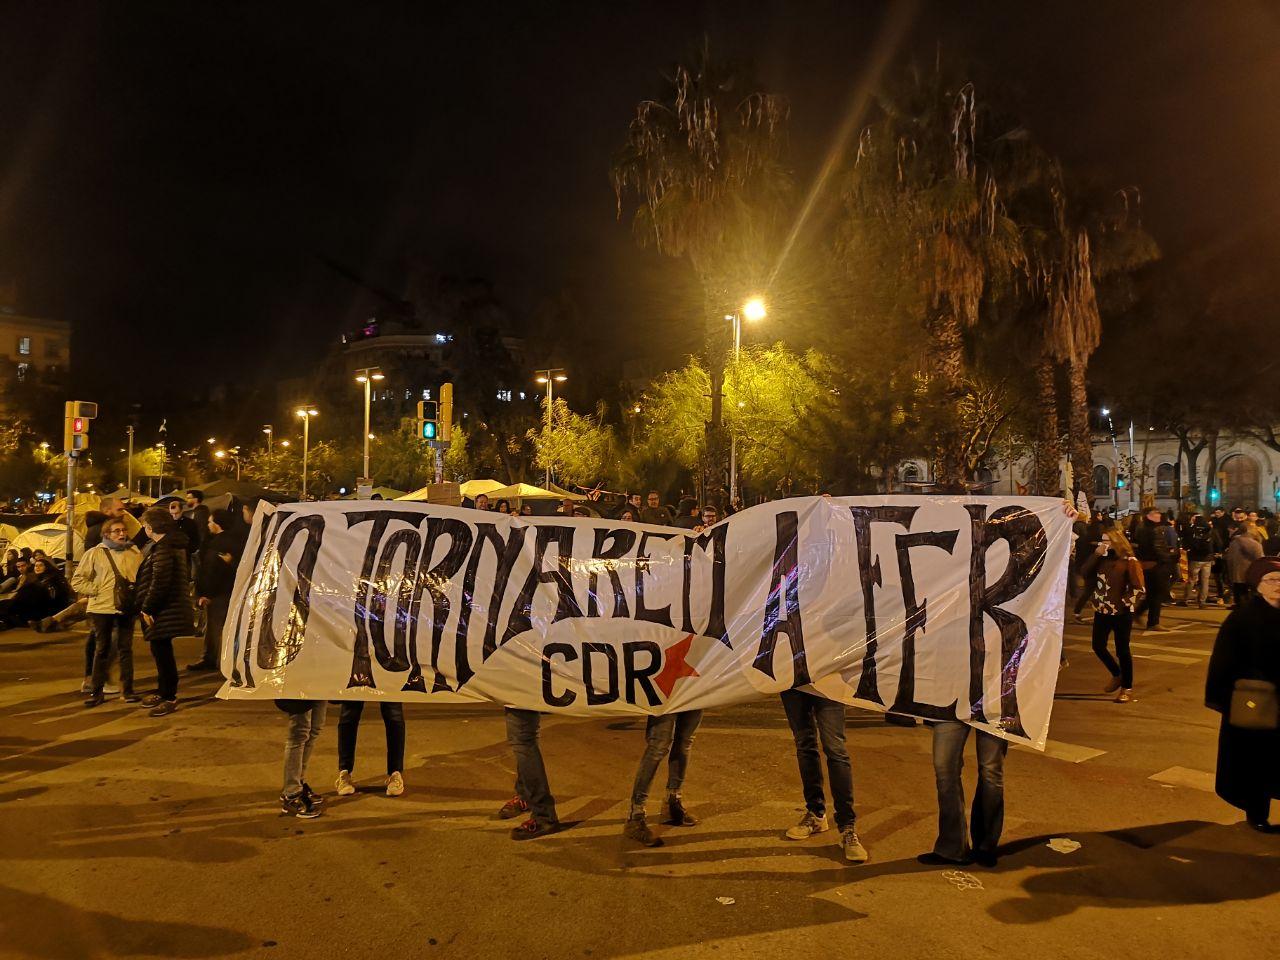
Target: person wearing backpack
<point x="105" y="576"/>
<point x="1202" y="544"/>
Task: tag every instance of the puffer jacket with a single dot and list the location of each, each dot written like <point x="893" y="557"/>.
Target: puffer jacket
<point x="94" y="578"/>
<point x="164" y="588"/>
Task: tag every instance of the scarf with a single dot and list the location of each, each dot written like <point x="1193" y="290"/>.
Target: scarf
<point x="116" y="546"/>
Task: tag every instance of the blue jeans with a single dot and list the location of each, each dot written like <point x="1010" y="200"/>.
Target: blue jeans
<point x="531" y="776"/>
<point x="987" y="817"/>
<point x="669" y="736"/>
<point x="813" y="719"/>
<point x="304" y="730"/>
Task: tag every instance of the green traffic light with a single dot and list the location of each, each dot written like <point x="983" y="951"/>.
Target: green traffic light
<point x="428" y="429"/>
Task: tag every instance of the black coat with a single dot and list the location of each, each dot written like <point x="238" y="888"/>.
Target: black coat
<point x="164" y="588"/>
<point x="217" y="576"/>
<point x="1247" y="648"/>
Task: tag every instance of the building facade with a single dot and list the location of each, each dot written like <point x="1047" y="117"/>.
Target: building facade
<point x="34" y="350"/>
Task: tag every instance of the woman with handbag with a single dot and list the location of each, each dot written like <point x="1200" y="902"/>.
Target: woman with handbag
<point x="164" y="601"/>
<point x="106" y="576"/>
<point x="1244" y="672"/>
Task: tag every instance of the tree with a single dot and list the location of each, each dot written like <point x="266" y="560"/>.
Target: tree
<point x="702" y="166"/>
<point x="578" y="449"/>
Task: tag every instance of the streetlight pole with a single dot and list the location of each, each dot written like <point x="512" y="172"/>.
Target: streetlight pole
<point x="306" y="412"/>
<point x="366" y="376"/>
<point x="753" y="309"/>
<point x="550" y="376"/>
<point x="270" y="431"/>
<point x="129" y="463"/>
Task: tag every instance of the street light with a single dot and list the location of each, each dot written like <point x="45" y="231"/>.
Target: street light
<point x="270" y="431"/>
<point x="550" y="376"/>
<point x="233" y="454"/>
<point x="306" y="412"/>
<point x="754" y="310"/>
<point x="366" y="376"/>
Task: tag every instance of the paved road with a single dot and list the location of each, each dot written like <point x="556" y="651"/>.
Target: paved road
<point x="124" y="836"/>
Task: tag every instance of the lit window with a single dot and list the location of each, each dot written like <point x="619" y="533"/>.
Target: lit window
<point x="426" y="393"/>
<point x="522" y="395"/>
<point x="442" y="338"/>
<point x="504" y="395"/>
<point x="24" y="346"/>
<point x="408" y="394"/>
<point x="22" y="371"/>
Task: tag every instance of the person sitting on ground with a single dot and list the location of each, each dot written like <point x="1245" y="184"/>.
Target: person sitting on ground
<point x="43" y="592"/>
<point x="9" y="571"/>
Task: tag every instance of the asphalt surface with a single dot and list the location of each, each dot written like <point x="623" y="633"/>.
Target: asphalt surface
<point x="124" y="836"/>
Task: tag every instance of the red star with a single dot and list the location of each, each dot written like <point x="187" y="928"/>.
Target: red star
<point x="676" y="666"/>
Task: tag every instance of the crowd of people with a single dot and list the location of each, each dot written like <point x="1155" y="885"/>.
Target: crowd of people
<point x="174" y="560"/>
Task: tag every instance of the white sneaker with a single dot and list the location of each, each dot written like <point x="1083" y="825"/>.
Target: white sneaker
<point x="87" y="686"/>
<point x="809" y="824"/>
<point x="343" y="784"/>
<point x="395" y="784"/>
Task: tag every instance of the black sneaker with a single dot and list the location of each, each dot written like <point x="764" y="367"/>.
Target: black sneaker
<point x="151" y="700"/>
<point x="163" y="708"/>
<point x="96" y="700"/>
<point x="531" y="829"/>
<point x="130" y="697"/>
<point x="201" y="665"/>
<point x="315" y="798"/>
<point x="677" y="815"/>
<point x="938" y="860"/>
<point x="300" y="806"/>
<point x="637" y="829"/>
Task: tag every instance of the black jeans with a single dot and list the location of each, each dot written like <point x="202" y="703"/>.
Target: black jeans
<point x="112" y="633"/>
<point x="1240" y="593"/>
<point x="1158" y="579"/>
<point x="349" y="727"/>
<point x="166" y="668"/>
<point x="986" y="821"/>
<point x="1121" y="624"/>
<point x="215" y="619"/>
<point x="813" y="719"/>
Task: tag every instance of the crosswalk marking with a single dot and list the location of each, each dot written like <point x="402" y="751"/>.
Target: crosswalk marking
<point x="1070" y="752"/>
<point x="1185" y="777"/>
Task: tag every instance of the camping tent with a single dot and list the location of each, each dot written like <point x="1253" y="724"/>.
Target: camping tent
<point x="130" y="496"/>
<point x="469" y="489"/>
<point x="527" y="491"/>
<point x="241" y="490"/>
<point x="7" y="532"/>
<point x="386" y="493"/>
<point x="51" y="538"/>
<point x="84" y="501"/>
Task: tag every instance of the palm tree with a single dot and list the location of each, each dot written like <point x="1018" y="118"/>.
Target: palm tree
<point x="702" y="177"/>
<point x="925" y="208"/>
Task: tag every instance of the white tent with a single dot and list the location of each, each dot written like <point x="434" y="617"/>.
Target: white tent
<point x="51" y="538"/>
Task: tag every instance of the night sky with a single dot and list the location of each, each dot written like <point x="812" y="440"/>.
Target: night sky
<point x="171" y="175"/>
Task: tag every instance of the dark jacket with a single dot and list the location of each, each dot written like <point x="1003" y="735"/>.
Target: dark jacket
<point x="1151" y="544"/>
<point x="164" y="588"/>
<point x="1201" y="541"/>
<point x="200" y="517"/>
<point x="190" y="534"/>
<point x="657" y="515"/>
<point x="215" y="575"/>
<point x="1247" y="648"/>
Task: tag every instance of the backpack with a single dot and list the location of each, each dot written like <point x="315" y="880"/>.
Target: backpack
<point x="1200" y="539"/>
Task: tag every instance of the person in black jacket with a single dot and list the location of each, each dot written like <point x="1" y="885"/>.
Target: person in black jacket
<point x="186" y="525"/>
<point x="164" y="597"/>
<point x="215" y="576"/>
<point x="1159" y="559"/>
<point x="1248" y="648"/>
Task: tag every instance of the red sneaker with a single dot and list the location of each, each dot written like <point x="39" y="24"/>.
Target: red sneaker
<point x="513" y="808"/>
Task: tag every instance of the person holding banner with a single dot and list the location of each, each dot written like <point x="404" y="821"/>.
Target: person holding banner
<point x="533" y="792"/>
<point x="987" y="817"/>
<point x="349" y="730"/>
<point x="670" y="736"/>
<point x="815" y="719"/>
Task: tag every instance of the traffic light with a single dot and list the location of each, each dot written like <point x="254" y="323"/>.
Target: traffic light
<point x="1120" y="481"/>
<point x="1214" y="495"/>
<point x="446" y="412"/>
<point x="75" y="427"/>
<point x="427" y="426"/>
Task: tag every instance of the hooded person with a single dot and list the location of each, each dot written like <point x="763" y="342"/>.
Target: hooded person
<point x="215" y="576"/>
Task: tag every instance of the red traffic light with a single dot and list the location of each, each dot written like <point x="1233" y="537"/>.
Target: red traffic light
<point x="77" y="425"/>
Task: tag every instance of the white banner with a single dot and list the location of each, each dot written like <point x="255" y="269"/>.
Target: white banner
<point x="937" y="607"/>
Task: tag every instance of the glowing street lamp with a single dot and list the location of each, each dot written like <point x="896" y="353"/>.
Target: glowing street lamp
<point x="754" y="311"/>
<point x="306" y="412"/>
<point x="550" y="376"/>
<point x="270" y="431"/>
<point x="366" y="376"/>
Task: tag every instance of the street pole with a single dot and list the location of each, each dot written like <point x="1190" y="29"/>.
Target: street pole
<point x="270" y="431"/>
<point x="549" y="376"/>
<point x="733" y="439"/>
<point x="129" y="468"/>
<point x="365" y="474"/>
<point x="68" y="562"/>
<point x="306" y="442"/>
